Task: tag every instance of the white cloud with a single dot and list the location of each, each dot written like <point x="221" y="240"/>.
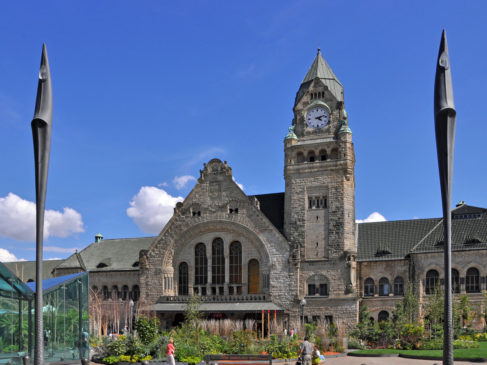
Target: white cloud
<point x="374" y="217"/>
<point x="165" y="184"/>
<point x="17" y="220"/>
<point x="239" y="185"/>
<point x="59" y="249"/>
<point x="6" y="256"/>
<point x="151" y="208"/>
<point x="181" y="181"/>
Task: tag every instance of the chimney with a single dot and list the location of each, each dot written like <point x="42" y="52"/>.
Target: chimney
<point x="98" y="238"/>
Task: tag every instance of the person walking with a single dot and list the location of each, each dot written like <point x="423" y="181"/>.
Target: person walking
<point x="170" y="352"/>
<point x="305" y="351"/>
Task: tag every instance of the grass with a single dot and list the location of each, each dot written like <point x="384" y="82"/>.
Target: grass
<point x="474" y="353"/>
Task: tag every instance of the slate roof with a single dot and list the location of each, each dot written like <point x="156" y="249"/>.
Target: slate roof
<point x="272" y="205"/>
<point x="321" y="70"/>
<point x="391" y="240"/>
<point x="120" y="254"/>
<point x="26" y="270"/>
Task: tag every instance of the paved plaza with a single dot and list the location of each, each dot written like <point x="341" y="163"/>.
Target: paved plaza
<point x="353" y="360"/>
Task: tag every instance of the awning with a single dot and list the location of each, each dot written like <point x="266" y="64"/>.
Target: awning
<point x="252" y="307"/>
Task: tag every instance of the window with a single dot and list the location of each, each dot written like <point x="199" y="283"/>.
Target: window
<point x="105" y="292"/>
<point x="115" y="294"/>
<point x="455" y="281"/>
<point x="254" y="276"/>
<point x="183" y="279"/>
<point x="383" y="316"/>
<point x="218" y="262"/>
<point x="369" y="287"/>
<point x="398" y="286"/>
<point x="317" y="285"/>
<point x="235" y="263"/>
<point x="135" y="293"/>
<point x="323" y="155"/>
<point x="94" y="289"/>
<point x="125" y="292"/>
<point x="311" y="289"/>
<point x="432" y="281"/>
<point x="311" y="156"/>
<point x="384" y="287"/>
<point x="200" y="265"/>
<point x="317" y="202"/>
<point x="473" y="281"/>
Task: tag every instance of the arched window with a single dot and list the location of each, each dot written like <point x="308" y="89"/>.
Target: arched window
<point x="383" y="316"/>
<point x="432" y="281"/>
<point x="472" y="283"/>
<point x="135" y="293"/>
<point x="317" y="285"/>
<point x="105" y="292"/>
<point x="323" y="155"/>
<point x="300" y="157"/>
<point x="125" y="292"/>
<point x="455" y="281"/>
<point x="183" y="279"/>
<point x="311" y="156"/>
<point x="384" y="287"/>
<point x="218" y="262"/>
<point x="254" y="277"/>
<point x="94" y="289"/>
<point x="334" y="154"/>
<point x="200" y="265"/>
<point x="235" y="263"/>
<point x="115" y="294"/>
<point x="398" y="286"/>
<point x="369" y="287"/>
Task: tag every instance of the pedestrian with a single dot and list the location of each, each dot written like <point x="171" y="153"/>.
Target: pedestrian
<point x="291" y="333"/>
<point x="170" y="352"/>
<point x="285" y="332"/>
<point x="305" y="351"/>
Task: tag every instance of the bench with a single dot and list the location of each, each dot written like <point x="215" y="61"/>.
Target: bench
<point x="236" y="359"/>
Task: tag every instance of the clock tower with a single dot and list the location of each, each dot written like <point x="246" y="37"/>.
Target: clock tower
<point x="319" y="219"/>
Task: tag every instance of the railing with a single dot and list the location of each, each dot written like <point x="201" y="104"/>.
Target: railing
<point x="217" y="298"/>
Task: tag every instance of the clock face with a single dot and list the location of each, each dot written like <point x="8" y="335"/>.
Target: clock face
<point x="317" y="117"/>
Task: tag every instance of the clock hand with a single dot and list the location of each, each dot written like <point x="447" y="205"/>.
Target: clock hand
<point x="321" y="116"/>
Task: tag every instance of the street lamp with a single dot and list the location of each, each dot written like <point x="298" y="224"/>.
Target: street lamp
<point x="302" y="303"/>
<point x="131" y="307"/>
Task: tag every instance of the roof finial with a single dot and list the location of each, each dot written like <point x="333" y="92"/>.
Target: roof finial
<point x="319" y="51"/>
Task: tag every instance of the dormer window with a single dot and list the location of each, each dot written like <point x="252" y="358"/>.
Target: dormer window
<point x="233" y="210"/>
<point x="101" y="265"/>
<point x="196" y="213"/>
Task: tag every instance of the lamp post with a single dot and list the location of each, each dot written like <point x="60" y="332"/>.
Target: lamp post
<point x="302" y="303"/>
<point x="131" y="311"/>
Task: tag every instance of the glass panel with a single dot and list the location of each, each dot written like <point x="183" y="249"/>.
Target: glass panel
<point x="183" y="279"/>
<point x="200" y="265"/>
<point x="236" y="263"/>
<point x="218" y="262"/>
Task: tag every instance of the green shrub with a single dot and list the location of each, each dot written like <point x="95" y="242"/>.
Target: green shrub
<point x="110" y="360"/>
<point x="147" y="329"/>
<point x="117" y="347"/>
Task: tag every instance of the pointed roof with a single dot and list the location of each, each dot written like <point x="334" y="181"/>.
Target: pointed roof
<point x="321" y="70"/>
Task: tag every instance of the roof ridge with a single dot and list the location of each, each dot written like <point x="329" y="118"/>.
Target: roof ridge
<point x="426" y="235"/>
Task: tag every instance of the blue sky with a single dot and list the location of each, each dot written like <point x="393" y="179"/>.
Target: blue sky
<point x="146" y="92"/>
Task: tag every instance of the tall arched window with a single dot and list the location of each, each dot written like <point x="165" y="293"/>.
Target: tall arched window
<point x="254" y="277"/>
<point x="200" y="265"/>
<point x="383" y="316"/>
<point x="218" y="262"/>
<point x="311" y="156"/>
<point x="398" y="286"/>
<point x="323" y="155"/>
<point x="115" y="292"/>
<point x="125" y="292"/>
<point x="432" y="281"/>
<point x="472" y="281"/>
<point x="455" y="281"/>
<point x="105" y="292"/>
<point x="236" y="263"/>
<point x="135" y="293"/>
<point x="384" y="287"/>
<point x="369" y="287"/>
<point x="183" y="279"/>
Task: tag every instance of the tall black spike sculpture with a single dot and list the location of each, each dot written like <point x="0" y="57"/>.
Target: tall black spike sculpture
<point x="445" y="119"/>
<point x="41" y="131"/>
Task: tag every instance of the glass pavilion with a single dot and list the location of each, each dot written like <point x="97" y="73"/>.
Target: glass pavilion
<point x="65" y="316"/>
